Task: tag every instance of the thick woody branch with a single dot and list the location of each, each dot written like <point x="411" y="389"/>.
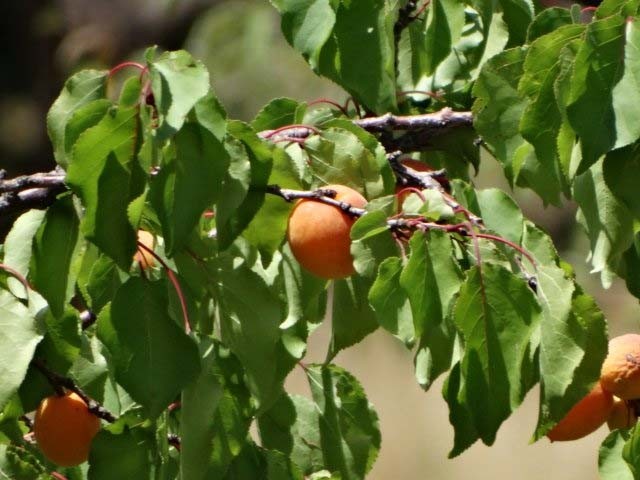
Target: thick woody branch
<point x="401" y="133"/>
<point x="37" y="180"/>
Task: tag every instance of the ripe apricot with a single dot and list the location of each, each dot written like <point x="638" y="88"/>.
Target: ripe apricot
<point x="584" y="417"/>
<point x="620" y="373"/>
<point x="623" y="415"/>
<point x="319" y="234"/>
<point x="64" y="428"/>
<point x="142" y="257"/>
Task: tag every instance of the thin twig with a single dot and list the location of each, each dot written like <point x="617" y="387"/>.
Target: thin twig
<point x="59" y="383"/>
<point x="324" y="195"/>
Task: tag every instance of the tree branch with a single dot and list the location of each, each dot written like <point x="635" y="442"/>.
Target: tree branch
<point x="58" y="382"/>
<point x="40" y="189"/>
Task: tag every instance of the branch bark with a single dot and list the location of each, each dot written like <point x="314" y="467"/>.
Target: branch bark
<point x="408" y="133"/>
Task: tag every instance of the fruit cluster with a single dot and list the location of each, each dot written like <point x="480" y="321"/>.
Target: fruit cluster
<point x="613" y="399"/>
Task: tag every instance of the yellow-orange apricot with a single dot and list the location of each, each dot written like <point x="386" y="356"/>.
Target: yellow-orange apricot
<point x="623" y="415"/>
<point x="142" y="257"/>
<point x="620" y="373"/>
<point x="64" y="428"/>
<point x="584" y="417"/>
<point x="319" y="234"/>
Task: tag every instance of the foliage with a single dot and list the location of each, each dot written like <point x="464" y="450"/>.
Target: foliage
<point x="187" y="355"/>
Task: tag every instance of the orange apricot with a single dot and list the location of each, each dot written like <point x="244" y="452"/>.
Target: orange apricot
<point x="142" y="257"/>
<point x="620" y="373"/>
<point x="319" y="234"/>
<point x="623" y="415"/>
<point x="584" y="417"/>
<point x="63" y="428"/>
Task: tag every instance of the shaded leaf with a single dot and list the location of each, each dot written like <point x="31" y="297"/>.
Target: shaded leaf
<point x="153" y="359"/>
<point x="431" y="279"/>
<point x="349" y="431"/>
<point x="79" y="90"/>
<point x="189" y="182"/>
<point x="178" y="81"/>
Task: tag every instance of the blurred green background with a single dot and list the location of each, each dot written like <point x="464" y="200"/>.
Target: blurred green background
<point x="250" y="63"/>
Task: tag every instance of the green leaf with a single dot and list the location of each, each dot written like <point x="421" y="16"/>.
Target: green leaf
<point x="291" y="426"/>
<point x="631" y="451"/>
<point x="18" y="247"/>
<point x="104" y="175"/>
<point x="307" y="24"/>
<point x="209" y="112"/>
<point x="306" y="293"/>
<point x="214" y="415"/>
<point x="345" y="58"/>
<point x="607" y="221"/>
<point x="391" y="303"/>
<point x="431" y="279"/>
<point x="371" y="242"/>
<point x="98" y="278"/>
<point x="497" y="121"/>
<point x="573" y="344"/>
<point x="626" y="92"/>
<point x="153" y="359"/>
<point x="611" y="465"/>
<point x="620" y="168"/>
<point x="53" y="249"/>
<point x="178" y="195"/>
<point x="251" y="166"/>
<point x="517" y="15"/>
<point x="79" y="90"/>
<point x="266" y="231"/>
<point x="132" y="447"/>
<point x="598" y="67"/>
<point x="498" y="318"/>
<point x="352" y="318"/>
<point x="20" y="333"/>
<point x="178" y="81"/>
<point x="444" y="23"/>
<point x="250" y="318"/>
<point x="338" y="156"/>
<point x="349" y="431"/>
<point x="17" y="463"/>
<point x="61" y="343"/>
<point x="279" y="112"/>
<point x="500" y="213"/>
<point x="256" y="462"/>
<point x="547" y="21"/>
<point x="82" y="119"/>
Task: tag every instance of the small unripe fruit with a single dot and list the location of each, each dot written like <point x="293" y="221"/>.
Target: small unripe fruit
<point x="142" y="257"/>
<point x="620" y="372"/>
<point x="319" y="234"/>
<point x="622" y="415"/>
<point x="584" y="417"/>
<point x="64" y="427"/>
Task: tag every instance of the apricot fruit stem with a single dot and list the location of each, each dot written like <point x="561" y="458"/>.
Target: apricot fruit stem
<point x="329" y="102"/>
<point x="60" y="383"/>
<point x="17" y="275"/>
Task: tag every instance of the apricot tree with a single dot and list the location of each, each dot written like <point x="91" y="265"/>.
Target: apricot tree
<point x="179" y="338"/>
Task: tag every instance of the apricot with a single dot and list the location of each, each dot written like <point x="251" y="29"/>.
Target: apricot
<point x="623" y="415"/>
<point x="620" y="373"/>
<point x="584" y="417"/>
<point x="142" y="257"/>
<point x="319" y="234"/>
<point x="63" y="428"/>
